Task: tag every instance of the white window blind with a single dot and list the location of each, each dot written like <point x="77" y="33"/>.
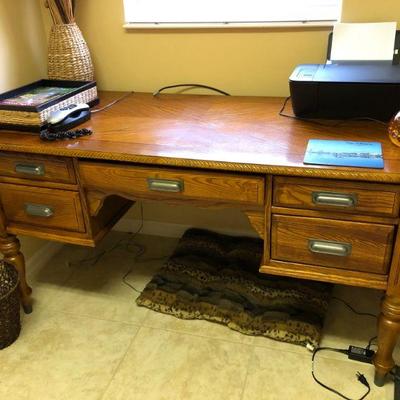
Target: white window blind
<point x="242" y="12"/>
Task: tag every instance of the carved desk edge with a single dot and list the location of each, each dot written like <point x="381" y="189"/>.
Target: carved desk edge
<point x="327" y="173"/>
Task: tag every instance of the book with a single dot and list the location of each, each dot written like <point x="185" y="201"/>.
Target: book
<point x="344" y="153"/>
<point x="37" y="96"/>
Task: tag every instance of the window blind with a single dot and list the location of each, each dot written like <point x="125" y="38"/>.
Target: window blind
<point x="229" y="11"/>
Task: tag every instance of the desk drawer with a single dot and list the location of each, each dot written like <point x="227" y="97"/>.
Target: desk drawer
<point x="42" y="207"/>
<point x="32" y="167"/>
<point x="338" y="196"/>
<point x="339" y="244"/>
<point x="168" y="183"/>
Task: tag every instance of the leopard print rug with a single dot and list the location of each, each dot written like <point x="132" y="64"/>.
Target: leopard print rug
<point x="215" y="277"/>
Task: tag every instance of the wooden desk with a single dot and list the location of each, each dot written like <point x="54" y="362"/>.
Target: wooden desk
<point x="215" y="151"/>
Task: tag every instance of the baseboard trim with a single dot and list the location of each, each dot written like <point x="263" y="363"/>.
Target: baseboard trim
<point x="166" y="229"/>
<point x="152" y="228"/>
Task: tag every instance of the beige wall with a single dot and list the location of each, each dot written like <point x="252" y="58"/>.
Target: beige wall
<point x="243" y="62"/>
<point x="22" y="43"/>
<point x="371" y="11"/>
<point x="22" y="55"/>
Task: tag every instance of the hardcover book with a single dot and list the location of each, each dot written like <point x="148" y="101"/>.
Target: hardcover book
<point x="344" y="153"/>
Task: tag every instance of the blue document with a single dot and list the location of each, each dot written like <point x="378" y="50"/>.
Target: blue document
<point x="346" y="154"/>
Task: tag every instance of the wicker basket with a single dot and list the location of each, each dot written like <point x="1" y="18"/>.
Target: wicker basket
<point x="37" y="119"/>
<point x="69" y="57"/>
<point x="10" y="325"/>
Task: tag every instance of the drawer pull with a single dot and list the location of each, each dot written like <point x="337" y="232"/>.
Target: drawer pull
<point x="165" y="185"/>
<point x="38" y="210"/>
<point x="30" y="169"/>
<point x="331" y="248"/>
<point x="334" y="199"/>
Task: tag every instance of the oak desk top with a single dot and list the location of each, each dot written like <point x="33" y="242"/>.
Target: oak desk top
<point x="215" y="132"/>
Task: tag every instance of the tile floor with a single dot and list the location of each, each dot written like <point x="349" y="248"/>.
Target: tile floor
<point x="86" y="339"/>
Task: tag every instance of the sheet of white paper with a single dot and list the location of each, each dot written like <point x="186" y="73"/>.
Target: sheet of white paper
<point x="366" y="41"/>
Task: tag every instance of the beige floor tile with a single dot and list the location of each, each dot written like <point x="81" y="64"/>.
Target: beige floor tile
<point x="98" y="290"/>
<point x="163" y="365"/>
<point x="195" y="327"/>
<point x="61" y="357"/>
<point x="343" y="327"/>
<point x="276" y="375"/>
<point x="180" y="359"/>
<point x="281" y="346"/>
<point x="47" y="280"/>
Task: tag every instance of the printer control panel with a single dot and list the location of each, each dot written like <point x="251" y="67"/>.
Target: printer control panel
<point x="305" y="72"/>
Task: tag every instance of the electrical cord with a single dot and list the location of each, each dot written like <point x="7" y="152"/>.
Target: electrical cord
<point x="370" y="342"/>
<point x="191" y="85"/>
<point x="360" y="377"/>
<point x="125" y="243"/>
<point x="365" y="314"/>
<point x="112" y="103"/>
<point x="351" y="308"/>
<point x="333" y="125"/>
<point x="140" y="253"/>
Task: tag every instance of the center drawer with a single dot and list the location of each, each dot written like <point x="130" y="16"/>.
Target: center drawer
<point x="175" y="184"/>
<point x="339" y="244"/>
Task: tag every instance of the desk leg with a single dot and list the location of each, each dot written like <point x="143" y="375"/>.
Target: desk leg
<point x="388" y="331"/>
<point x="10" y="248"/>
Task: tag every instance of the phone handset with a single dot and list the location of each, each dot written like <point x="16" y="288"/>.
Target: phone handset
<point x="68" y="117"/>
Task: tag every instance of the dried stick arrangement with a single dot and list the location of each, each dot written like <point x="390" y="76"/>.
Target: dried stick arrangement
<point x="62" y="11"/>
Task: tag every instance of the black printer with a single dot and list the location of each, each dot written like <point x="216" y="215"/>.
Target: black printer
<point x="348" y="89"/>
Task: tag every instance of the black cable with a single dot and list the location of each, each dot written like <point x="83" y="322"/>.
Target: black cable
<point x="334" y="125"/>
<point x="365" y="314"/>
<point x="124" y="243"/>
<point x="141" y="252"/>
<point x="194" y="85"/>
<point x="352" y="309"/>
<point x="112" y="103"/>
<point x="370" y="342"/>
<point x="360" y="377"/>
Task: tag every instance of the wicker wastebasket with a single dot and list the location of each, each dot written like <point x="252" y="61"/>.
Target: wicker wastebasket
<point x="10" y="324"/>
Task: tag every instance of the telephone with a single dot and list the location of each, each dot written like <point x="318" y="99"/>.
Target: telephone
<point x="68" y="117"/>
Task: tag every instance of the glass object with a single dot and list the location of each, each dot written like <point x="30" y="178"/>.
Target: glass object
<point x="394" y="129"/>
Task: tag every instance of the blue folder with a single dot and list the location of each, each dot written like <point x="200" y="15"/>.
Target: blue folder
<point x="343" y="153"/>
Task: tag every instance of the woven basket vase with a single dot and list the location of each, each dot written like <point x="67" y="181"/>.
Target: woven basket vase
<point x="69" y="56"/>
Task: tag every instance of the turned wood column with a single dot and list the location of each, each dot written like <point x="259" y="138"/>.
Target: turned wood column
<point x="388" y="331"/>
<point x="389" y="320"/>
<point x="10" y="248"/>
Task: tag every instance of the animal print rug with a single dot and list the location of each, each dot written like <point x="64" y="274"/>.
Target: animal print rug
<point x="215" y="277"/>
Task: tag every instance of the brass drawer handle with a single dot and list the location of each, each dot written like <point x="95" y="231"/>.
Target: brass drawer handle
<point x="331" y="248"/>
<point x="39" y="210"/>
<point x="334" y="199"/>
<point x="30" y="169"/>
<point x="165" y="185"/>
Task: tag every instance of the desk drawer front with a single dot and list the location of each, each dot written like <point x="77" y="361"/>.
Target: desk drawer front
<point x="51" y="169"/>
<point x="42" y="207"/>
<point x="341" y="197"/>
<point x="339" y="244"/>
<point x="154" y="183"/>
